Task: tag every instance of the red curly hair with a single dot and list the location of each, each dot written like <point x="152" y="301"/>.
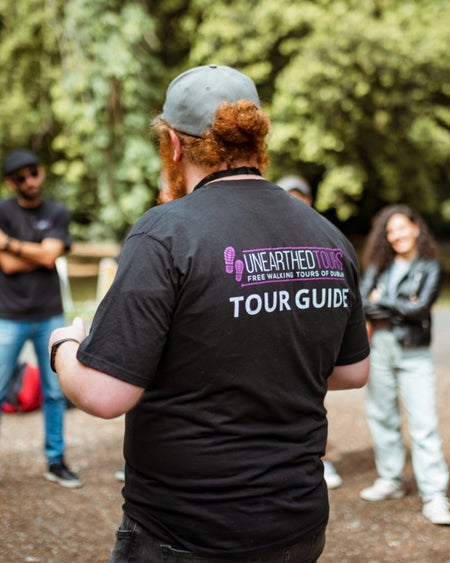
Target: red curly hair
<point x="238" y="135"/>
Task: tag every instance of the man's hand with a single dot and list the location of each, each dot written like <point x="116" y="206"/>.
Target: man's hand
<point x="375" y="295"/>
<point x="3" y="239"/>
<point x="18" y="256"/>
<point x="90" y="390"/>
<point x="75" y="330"/>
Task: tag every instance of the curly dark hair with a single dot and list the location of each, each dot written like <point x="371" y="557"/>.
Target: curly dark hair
<point x="378" y="250"/>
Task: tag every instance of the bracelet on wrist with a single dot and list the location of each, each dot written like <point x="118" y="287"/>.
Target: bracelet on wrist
<point x="55" y="347"/>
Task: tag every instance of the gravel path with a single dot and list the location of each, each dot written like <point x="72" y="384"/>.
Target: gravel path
<point x="42" y="522"/>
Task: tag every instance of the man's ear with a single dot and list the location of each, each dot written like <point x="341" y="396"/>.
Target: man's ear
<point x="177" y="152"/>
<point x="11" y="185"/>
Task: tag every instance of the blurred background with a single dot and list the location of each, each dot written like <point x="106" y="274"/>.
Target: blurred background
<point x="358" y="94"/>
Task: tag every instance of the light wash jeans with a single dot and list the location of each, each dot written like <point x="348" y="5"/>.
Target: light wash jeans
<point x="134" y="544"/>
<point x="13" y="335"/>
<point x="407" y="373"/>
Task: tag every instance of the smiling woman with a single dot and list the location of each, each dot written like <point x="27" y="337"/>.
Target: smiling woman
<point x="401" y="283"/>
<point x="402" y="234"/>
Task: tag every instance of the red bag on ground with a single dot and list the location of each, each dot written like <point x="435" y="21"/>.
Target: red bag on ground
<point x="25" y="392"/>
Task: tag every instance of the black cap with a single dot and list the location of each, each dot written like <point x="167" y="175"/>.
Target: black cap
<point x="18" y="159"/>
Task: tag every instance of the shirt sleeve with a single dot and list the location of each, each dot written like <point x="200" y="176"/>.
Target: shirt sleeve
<point x="130" y="327"/>
<point x="59" y="228"/>
<point x="355" y="343"/>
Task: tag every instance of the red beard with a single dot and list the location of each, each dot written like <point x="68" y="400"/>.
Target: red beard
<point x="173" y="184"/>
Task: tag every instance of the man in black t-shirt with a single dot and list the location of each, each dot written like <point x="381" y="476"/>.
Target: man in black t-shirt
<point x="234" y="309"/>
<point x="33" y="234"/>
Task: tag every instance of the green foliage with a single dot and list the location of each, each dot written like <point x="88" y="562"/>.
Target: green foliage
<point x="88" y="109"/>
<point x="27" y="59"/>
<point x="358" y="93"/>
<point x="102" y="105"/>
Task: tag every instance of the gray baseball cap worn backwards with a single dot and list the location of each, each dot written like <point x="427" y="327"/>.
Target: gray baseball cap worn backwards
<point x="194" y="96"/>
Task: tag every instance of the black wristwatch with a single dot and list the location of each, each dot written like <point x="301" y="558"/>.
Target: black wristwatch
<point x="55" y="347"/>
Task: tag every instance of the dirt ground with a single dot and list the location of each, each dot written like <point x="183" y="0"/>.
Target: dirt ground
<point x="43" y="522"/>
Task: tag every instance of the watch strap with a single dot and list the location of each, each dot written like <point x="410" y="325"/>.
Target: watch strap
<point x="55" y="347"/>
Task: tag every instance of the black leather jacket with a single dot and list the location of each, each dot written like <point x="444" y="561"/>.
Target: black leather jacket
<point x="409" y="311"/>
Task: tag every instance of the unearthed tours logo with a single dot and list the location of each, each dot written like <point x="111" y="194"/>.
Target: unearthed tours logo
<point x="286" y="264"/>
<point x="271" y="265"/>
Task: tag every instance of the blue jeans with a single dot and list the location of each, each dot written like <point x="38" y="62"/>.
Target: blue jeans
<point x="13" y="335"/>
<point x="133" y="543"/>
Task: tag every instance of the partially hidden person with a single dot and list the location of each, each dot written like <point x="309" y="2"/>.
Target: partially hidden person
<point x="298" y="187"/>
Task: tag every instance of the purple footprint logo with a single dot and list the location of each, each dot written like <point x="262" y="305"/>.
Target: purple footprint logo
<point x="228" y="256"/>
<point x="239" y="266"/>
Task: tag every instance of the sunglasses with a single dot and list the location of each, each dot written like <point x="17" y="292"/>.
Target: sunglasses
<point x="20" y="178"/>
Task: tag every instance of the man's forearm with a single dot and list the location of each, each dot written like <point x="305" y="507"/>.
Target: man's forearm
<point x="92" y="391"/>
<point x="11" y="264"/>
<point x="352" y="376"/>
<point x="18" y="255"/>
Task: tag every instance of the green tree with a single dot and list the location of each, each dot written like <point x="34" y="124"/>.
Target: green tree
<point x="80" y="81"/>
<point x="358" y="93"/>
<point x="28" y="59"/>
<point x="102" y="103"/>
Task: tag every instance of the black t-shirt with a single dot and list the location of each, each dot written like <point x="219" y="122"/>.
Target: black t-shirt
<point x="231" y="307"/>
<point x="34" y="295"/>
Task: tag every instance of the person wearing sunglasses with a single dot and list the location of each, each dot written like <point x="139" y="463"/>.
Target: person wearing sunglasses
<point x="34" y="232"/>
